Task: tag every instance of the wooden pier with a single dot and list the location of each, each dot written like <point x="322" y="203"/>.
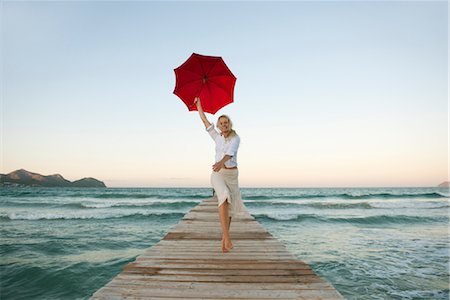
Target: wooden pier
<point x="188" y="263"/>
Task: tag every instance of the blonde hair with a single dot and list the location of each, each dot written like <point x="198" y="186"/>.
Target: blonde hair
<point x="232" y="132"/>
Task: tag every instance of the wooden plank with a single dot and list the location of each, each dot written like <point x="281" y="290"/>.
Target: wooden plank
<point x="211" y="271"/>
<point x="188" y="264"/>
<point x="206" y="264"/>
<point x="139" y="292"/>
<point x="230" y="255"/>
<point x="305" y="278"/>
<point x="216" y="236"/>
<point x="207" y="250"/>
<point x="265" y="242"/>
<point x="223" y="285"/>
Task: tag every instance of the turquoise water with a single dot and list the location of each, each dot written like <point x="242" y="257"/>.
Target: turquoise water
<point x="388" y="243"/>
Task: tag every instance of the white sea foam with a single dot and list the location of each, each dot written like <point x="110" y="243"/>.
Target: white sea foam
<point x="333" y="203"/>
<point x="27" y="215"/>
<point x="97" y="256"/>
<point x="133" y="202"/>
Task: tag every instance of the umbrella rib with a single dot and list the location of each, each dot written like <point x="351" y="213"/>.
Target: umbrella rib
<point x="201" y="66"/>
<point x="212" y="67"/>
<point x="226" y="75"/>
<point x="190" y="71"/>
<point x="189" y="82"/>
<point x="203" y="69"/>
<point x="220" y="87"/>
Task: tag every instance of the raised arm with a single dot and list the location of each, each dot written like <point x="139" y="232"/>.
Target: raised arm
<point x="201" y="112"/>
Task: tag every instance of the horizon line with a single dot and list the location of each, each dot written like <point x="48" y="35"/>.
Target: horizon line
<point x="273" y="187"/>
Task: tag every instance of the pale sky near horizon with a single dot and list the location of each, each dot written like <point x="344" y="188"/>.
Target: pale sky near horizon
<point x="328" y="94"/>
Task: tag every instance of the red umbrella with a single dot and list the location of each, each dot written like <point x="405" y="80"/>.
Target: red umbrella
<point x="207" y="77"/>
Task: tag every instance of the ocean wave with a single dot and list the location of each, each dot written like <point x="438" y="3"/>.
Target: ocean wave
<point x="73" y="216"/>
<point x="186" y="204"/>
<point x="369" y="220"/>
<point x="93" y="203"/>
<point x="148" y="196"/>
<point x="439" y="207"/>
<point x="317" y="205"/>
<point x="153" y="204"/>
<point x="434" y="195"/>
<point x="363" y="205"/>
<point x="108" y="193"/>
<point x="384" y="204"/>
<point x="205" y="193"/>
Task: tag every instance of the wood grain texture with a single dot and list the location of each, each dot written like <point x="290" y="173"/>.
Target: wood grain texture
<point x="188" y="263"/>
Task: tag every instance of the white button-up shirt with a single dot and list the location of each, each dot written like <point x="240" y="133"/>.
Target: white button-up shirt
<point x="225" y="146"/>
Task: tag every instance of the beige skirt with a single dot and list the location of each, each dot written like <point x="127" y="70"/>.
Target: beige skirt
<point x="226" y="186"/>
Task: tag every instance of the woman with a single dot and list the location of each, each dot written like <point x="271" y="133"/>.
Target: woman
<point x="224" y="177"/>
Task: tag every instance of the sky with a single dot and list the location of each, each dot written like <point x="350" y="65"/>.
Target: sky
<point x="328" y="93"/>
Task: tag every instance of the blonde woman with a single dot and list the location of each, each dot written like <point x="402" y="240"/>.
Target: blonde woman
<point x="224" y="177"/>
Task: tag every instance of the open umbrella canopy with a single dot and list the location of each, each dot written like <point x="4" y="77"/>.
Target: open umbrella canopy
<point x="207" y="77"/>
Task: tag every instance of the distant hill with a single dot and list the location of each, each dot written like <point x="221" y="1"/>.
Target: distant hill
<point x="444" y="184"/>
<point x="25" y="178"/>
<point x="88" y="182"/>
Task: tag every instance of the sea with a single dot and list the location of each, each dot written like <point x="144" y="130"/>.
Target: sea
<point x="370" y="243"/>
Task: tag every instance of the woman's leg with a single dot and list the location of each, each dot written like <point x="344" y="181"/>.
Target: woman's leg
<point x="225" y="222"/>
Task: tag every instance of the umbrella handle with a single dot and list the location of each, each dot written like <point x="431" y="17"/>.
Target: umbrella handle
<point x="194" y="104"/>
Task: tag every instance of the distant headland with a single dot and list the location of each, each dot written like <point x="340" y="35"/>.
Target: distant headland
<point x="444" y="184"/>
<point x="24" y="178"/>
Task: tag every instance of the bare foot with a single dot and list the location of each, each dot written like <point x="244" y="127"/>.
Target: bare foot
<point x="227" y="245"/>
<point x="224" y="249"/>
